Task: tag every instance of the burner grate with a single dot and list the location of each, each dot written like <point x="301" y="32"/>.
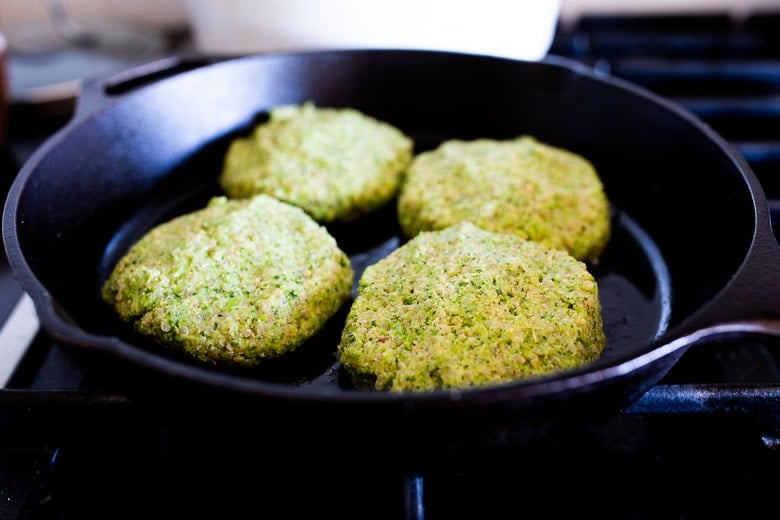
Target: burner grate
<point x="726" y="71"/>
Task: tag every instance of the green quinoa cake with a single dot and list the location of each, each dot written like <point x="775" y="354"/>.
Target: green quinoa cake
<point x="463" y="307"/>
<point x="519" y="186"/>
<point x="234" y="283"/>
<point x="336" y="164"/>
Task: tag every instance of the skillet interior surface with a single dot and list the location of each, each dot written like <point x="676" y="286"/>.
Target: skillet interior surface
<point x="156" y="151"/>
<point x="634" y="284"/>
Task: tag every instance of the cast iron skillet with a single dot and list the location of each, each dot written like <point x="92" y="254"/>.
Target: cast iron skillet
<point x="692" y="258"/>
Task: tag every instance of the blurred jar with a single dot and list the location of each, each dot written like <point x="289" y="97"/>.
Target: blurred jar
<point x="508" y="28"/>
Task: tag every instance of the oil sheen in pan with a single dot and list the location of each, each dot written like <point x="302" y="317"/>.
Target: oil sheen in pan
<point x="634" y="286"/>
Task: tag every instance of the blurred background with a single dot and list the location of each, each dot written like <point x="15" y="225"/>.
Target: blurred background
<point x="55" y="43"/>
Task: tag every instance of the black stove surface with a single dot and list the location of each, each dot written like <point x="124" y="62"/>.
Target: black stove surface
<point x="703" y="443"/>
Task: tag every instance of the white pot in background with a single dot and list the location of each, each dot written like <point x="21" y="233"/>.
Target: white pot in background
<point x="520" y="29"/>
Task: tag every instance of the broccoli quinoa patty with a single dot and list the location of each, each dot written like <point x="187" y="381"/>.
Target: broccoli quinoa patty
<point x="462" y="307"/>
<point x="519" y="186"/>
<point x="234" y="283"/>
<point x="336" y="164"/>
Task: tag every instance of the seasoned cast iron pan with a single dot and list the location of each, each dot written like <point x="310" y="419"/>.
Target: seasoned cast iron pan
<point x="692" y="258"/>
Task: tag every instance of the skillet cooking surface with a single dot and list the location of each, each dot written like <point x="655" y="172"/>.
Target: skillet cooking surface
<point x="634" y="285"/>
<point x="125" y="164"/>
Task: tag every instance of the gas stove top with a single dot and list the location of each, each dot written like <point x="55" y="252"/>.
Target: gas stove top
<point x="704" y="442"/>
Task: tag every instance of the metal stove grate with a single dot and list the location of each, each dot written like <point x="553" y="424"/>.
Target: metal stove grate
<point x="724" y="70"/>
